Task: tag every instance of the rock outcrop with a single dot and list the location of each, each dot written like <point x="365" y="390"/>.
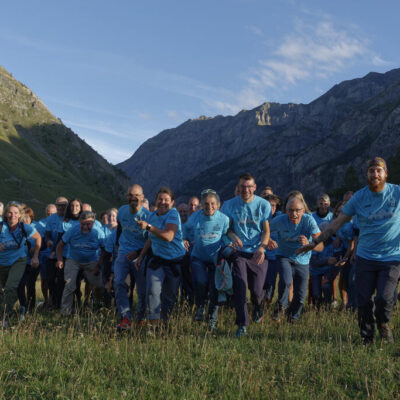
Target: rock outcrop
<point x="287" y="146"/>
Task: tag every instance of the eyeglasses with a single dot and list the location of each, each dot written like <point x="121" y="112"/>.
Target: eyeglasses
<point x="295" y="210"/>
<point x="246" y="187"/>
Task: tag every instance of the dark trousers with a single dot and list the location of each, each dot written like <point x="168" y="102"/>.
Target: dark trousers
<point x="381" y="276"/>
<point x="29" y="281"/>
<point x="247" y="272"/>
<point x="56" y="282"/>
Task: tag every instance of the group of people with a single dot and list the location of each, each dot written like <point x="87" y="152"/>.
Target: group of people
<point x="208" y="253"/>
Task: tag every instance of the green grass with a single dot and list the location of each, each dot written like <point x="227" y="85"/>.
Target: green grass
<point x="82" y="357"/>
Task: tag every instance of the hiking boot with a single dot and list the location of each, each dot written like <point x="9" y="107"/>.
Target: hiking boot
<point x="278" y="313"/>
<point x="386" y="333"/>
<point x="199" y="315"/>
<point x="257" y="314"/>
<point x="241" y="331"/>
<point x="124" y="325"/>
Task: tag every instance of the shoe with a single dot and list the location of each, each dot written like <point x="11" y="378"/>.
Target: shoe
<point x="199" y="315"/>
<point x="334" y="304"/>
<point x="124" y="325"/>
<point x="212" y="326"/>
<point x="278" y="314"/>
<point x="22" y="311"/>
<point x="241" y="331"/>
<point x="386" y="333"/>
<point x="257" y="314"/>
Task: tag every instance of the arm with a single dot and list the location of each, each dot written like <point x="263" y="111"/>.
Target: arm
<point x="166" y="234"/>
<point x="259" y="254"/>
<point x="59" y="254"/>
<point x="38" y="244"/>
<point x="332" y="228"/>
<point x="143" y="253"/>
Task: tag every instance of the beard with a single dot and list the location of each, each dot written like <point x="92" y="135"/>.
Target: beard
<point x="376" y="185"/>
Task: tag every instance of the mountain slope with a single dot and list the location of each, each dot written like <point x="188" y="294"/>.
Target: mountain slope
<point x="41" y="159"/>
<point x="290" y="146"/>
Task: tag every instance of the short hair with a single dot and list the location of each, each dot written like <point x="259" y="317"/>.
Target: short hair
<point x="209" y="193"/>
<point x="324" y="196"/>
<point x="274" y="197"/>
<point x="247" y="176"/>
<point x="166" y="190"/>
<point x="29" y="212"/>
<point x="20" y="209"/>
<point x="132" y="186"/>
<point x="87" y="215"/>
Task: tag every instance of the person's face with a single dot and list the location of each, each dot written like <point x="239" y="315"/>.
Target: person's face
<point x="112" y="218"/>
<point x="273" y="205"/>
<point x="51" y="210"/>
<point x="376" y="177"/>
<point x="265" y="193"/>
<point x="183" y="212"/>
<point x="323" y="205"/>
<point x="164" y="203"/>
<point x="135" y="197"/>
<point x="210" y="205"/>
<point x="295" y="210"/>
<point x="247" y="189"/>
<point x="1" y="210"/>
<point x="104" y="219"/>
<point x="75" y="208"/>
<point x="61" y="205"/>
<point x="86" y="225"/>
<point x="193" y="205"/>
<point x="13" y="216"/>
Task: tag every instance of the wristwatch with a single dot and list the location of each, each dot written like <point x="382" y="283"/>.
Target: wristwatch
<point x="148" y="227"/>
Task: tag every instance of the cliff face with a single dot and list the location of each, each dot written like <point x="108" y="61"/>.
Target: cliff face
<point x="290" y="146"/>
<point x="40" y="158"/>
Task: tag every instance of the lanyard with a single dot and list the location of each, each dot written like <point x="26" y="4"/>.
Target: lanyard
<point x="15" y="239"/>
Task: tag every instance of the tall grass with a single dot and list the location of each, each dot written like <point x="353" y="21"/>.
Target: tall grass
<point x="83" y="357"/>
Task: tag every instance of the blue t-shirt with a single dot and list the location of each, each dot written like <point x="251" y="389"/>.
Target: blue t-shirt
<point x="111" y="246"/>
<point x="378" y="218"/>
<point x="327" y="252"/>
<point x="319" y="220"/>
<point x="288" y="236"/>
<point x="132" y="237"/>
<point x="63" y="227"/>
<point x="248" y="220"/>
<point x="160" y="247"/>
<point x="346" y="234"/>
<point x="14" y="243"/>
<point x="207" y="232"/>
<point x="52" y="223"/>
<point x="41" y="228"/>
<point x="83" y="246"/>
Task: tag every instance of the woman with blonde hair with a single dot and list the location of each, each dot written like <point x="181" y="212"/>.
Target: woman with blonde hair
<point x="13" y="236"/>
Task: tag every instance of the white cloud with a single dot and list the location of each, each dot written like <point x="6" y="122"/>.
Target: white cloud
<point x="379" y="62"/>
<point x="255" y="30"/>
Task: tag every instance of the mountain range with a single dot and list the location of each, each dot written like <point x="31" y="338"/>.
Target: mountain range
<point x="40" y="158"/>
<point x="318" y="147"/>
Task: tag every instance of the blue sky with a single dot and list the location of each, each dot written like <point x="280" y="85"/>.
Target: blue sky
<point x="118" y="72"/>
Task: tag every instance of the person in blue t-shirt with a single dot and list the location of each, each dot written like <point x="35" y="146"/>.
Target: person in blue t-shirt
<point x="323" y="212"/>
<point x="1" y="211"/>
<point x="84" y="242"/>
<point x="55" y="275"/>
<point x="13" y="236"/>
<point x="273" y="267"/>
<point x="164" y="267"/>
<point x="249" y="215"/>
<point x="295" y="228"/>
<point x="130" y="241"/>
<point x="377" y="208"/>
<point x="207" y="227"/>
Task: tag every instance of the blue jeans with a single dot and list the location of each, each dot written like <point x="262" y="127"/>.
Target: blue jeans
<point x="122" y="267"/>
<point x="203" y="279"/>
<point x="383" y="277"/>
<point x="290" y="271"/>
<point x="270" y="280"/>
<point x="162" y="291"/>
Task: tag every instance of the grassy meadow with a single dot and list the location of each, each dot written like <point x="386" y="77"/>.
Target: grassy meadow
<point x="83" y="357"/>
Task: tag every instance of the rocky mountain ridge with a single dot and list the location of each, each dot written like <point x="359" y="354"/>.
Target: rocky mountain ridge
<point x="311" y="147"/>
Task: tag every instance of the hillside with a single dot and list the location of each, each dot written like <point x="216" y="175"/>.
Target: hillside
<point x="40" y="158"/>
<point x="320" y="146"/>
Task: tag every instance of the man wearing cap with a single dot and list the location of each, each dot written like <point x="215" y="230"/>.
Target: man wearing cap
<point x="377" y="207"/>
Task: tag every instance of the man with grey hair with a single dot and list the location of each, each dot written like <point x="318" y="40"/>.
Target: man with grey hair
<point x="84" y="243"/>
